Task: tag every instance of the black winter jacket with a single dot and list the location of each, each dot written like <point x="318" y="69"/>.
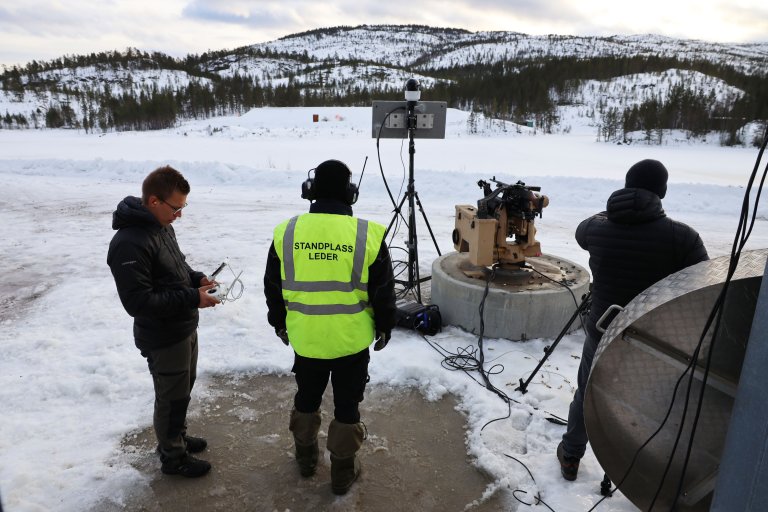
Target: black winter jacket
<point x="631" y="246"/>
<point x="381" y="282"/>
<point x="155" y="284"/>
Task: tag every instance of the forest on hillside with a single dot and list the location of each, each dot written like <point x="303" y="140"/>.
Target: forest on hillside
<point x="508" y="90"/>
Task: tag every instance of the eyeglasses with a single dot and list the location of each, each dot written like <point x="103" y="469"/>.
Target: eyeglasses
<point x="176" y="210"/>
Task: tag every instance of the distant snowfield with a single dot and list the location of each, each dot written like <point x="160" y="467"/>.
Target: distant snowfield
<point x="72" y="383"/>
<point x="287" y="139"/>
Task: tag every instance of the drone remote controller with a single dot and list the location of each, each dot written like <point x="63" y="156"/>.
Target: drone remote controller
<point x="220" y="291"/>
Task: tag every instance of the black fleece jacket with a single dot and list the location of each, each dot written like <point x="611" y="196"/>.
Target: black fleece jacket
<point x="155" y="284"/>
<point x="632" y="245"/>
<point x="381" y="281"/>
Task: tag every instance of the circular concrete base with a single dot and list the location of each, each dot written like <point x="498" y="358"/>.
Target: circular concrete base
<point x="536" y="301"/>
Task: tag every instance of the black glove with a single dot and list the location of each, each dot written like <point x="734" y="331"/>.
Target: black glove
<point x="382" y="338"/>
<point x="283" y="335"/>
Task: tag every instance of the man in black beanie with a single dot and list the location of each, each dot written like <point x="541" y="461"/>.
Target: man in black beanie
<point x="330" y="293"/>
<point x="632" y="245"/>
<point x="649" y="175"/>
<point x="332" y="181"/>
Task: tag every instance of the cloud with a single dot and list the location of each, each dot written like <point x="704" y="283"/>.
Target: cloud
<point x="301" y="15"/>
<point x="47" y="29"/>
<point x="38" y="19"/>
<point x="746" y="22"/>
<point x="264" y="14"/>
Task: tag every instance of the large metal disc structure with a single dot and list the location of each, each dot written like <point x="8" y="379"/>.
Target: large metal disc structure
<point x="640" y="363"/>
<point x="535" y="301"/>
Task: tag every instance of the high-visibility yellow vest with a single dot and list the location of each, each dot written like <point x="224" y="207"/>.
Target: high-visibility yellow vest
<point x="324" y="260"/>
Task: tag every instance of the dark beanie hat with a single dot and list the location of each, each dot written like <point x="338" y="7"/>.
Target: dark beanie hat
<point x="650" y="175"/>
<point x="331" y="180"/>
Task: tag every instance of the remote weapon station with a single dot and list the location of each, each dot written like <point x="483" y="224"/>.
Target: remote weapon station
<point x="501" y="229"/>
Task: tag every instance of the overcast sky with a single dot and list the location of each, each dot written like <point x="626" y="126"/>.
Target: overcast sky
<point x="44" y="29"/>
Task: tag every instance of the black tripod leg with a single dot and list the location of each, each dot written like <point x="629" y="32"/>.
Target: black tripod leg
<point x="398" y="213"/>
<point x="412" y="281"/>
<point x="523" y="387"/>
<point x="426" y="221"/>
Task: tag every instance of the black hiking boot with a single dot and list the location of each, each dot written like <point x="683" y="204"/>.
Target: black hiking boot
<point x="187" y="466"/>
<point x="569" y="466"/>
<point x="195" y="444"/>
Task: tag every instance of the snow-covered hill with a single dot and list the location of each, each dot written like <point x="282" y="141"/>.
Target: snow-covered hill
<point x="338" y="62"/>
<point x="434" y="48"/>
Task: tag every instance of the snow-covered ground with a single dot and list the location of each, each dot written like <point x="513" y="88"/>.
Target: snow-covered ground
<point x="72" y="383"/>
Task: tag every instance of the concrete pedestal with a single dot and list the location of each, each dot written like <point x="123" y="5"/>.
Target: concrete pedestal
<point x="522" y="303"/>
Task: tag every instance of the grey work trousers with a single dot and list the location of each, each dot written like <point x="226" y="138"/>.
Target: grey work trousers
<point x="575" y="437"/>
<point x="173" y="369"/>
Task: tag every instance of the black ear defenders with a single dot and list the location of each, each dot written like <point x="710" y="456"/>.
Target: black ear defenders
<point x="351" y="194"/>
<point x="309" y="190"/>
<point x="307" y="187"/>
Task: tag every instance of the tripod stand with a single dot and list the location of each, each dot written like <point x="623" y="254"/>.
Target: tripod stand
<point x="430" y="121"/>
<point x="413" y="282"/>
<point x="584" y="306"/>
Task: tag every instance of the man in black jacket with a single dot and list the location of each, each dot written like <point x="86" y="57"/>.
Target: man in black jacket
<point x="329" y="288"/>
<point x="632" y="245"/>
<point x="162" y="293"/>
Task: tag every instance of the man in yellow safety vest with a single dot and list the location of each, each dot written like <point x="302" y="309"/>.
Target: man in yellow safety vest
<point x="329" y="287"/>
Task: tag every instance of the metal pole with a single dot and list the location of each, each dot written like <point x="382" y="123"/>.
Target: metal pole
<point x="413" y="252"/>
